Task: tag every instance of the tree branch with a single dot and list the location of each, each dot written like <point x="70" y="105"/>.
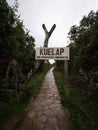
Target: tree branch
<point x="47" y="34"/>
<point x="44" y="27"/>
<point x="52" y="29"/>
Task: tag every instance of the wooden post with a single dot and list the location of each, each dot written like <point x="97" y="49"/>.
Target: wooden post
<point x="38" y="62"/>
<point x="47" y="34"/>
<point x="66" y="78"/>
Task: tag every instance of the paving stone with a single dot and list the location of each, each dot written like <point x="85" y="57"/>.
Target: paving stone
<point x="46" y="111"/>
<point x="48" y="127"/>
<point x="43" y="118"/>
<point x="31" y="114"/>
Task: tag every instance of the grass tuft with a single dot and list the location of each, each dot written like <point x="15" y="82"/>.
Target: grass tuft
<point x="83" y="109"/>
<point x="13" y="109"/>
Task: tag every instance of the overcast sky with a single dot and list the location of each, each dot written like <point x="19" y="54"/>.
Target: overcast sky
<point x="63" y="13"/>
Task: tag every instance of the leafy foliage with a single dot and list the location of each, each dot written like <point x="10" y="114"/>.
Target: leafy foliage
<point x="15" y="43"/>
<point x="84" y="43"/>
<point x="15" y="108"/>
<point x="78" y="102"/>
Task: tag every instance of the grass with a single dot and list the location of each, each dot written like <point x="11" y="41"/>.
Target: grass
<point x="83" y="109"/>
<point x="15" y="108"/>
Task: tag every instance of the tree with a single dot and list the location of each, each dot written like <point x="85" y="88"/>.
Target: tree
<point x="16" y="47"/>
<point x="84" y="43"/>
<point x="7" y="19"/>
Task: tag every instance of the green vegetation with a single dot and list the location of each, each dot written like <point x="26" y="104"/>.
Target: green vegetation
<point x="17" y="52"/>
<point x="60" y="81"/>
<point x="83" y="109"/>
<point x="17" y="108"/>
<point x="36" y="80"/>
<point x="83" y="74"/>
<point x="15" y="40"/>
<point x="17" y="60"/>
<point x="84" y="44"/>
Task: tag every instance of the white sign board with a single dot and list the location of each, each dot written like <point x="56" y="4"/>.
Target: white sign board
<point x="52" y="53"/>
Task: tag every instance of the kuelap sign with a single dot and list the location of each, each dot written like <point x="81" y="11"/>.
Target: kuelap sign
<point x="52" y="53"/>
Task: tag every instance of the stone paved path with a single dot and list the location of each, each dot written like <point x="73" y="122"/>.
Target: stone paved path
<point x="46" y="112"/>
